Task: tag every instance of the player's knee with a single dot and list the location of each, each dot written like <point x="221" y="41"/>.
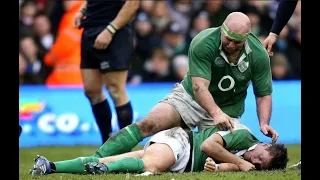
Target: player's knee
<point x="115" y="92"/>
<point x="147" y="127"/>
<point x="148" y="168"/>
<point x="94" y="96"/>
<point x="151" y="167"/>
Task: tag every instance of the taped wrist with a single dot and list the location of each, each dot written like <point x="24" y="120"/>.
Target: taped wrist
<point x="217" y="168"/>
<point x="111" y="29"/>
<point x="271" y="33"/>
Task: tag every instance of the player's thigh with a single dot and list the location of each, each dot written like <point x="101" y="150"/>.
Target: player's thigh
<point x="115" y="80"/>
<point x="178" y="141"/>
<point x="88" y="58"/>
<point x="158" y="158"/>
<point x="161" y="117"/>
<point x="89" y="65"/>
<point x="114" y="64"/>
<point x="92" y="81"/>
<point x="190" y="111"/>
<point x="137" y="154"/>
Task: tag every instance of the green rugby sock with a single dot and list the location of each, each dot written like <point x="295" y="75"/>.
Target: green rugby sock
<point x="75" y="165"/>
<point x="123" y="141"/>
<point x="126" y="165"/>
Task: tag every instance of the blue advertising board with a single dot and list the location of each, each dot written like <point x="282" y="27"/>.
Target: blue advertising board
<point x="62" y="115"/>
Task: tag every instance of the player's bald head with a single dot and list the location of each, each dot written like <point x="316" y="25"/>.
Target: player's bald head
<point x="238" y="23"/>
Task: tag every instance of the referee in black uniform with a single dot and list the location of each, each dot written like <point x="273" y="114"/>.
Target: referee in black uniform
<point x="106" y="47"/>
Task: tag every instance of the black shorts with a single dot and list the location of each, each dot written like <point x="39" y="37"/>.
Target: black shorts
<point x="116" y="57"/>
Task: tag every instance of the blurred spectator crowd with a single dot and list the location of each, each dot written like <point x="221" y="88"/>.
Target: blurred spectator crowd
<point x="163" y="32"/>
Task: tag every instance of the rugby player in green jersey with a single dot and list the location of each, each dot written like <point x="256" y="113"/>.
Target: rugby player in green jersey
<point x="176" y="150"/>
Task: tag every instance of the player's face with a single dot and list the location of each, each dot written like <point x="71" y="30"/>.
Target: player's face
<point x="260" y="157"/>
<point x="230" y="45"/>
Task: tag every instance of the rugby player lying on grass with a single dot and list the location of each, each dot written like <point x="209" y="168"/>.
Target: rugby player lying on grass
<point x="175" y="150"/>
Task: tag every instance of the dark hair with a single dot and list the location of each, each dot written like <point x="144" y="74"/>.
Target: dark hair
<point x="279" y="155"/>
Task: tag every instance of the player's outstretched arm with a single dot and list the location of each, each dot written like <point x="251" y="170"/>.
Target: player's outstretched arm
<point x="211" y="166"/>
<point x="264" y="105"/>
<point x="126" y="14"/>
<point x="204" y="98"/>
<point x="283" y="14"/>
<point x="200" y="72"/>
<point x="201" y="92"/>
<point x="262" y="88"/>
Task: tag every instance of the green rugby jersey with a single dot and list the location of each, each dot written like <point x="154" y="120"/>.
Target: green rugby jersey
<point x="228" y="82"/>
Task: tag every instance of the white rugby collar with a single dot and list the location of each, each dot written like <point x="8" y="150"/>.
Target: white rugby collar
<point x="241" y="153"/>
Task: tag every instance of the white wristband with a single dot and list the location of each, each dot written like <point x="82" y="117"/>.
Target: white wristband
<point x="271" y="33"/>
<point x="111" y="29"/>
<point x="217" y="168"/>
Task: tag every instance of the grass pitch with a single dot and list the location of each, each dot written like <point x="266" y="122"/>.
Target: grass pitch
<point x="26" y="156"/>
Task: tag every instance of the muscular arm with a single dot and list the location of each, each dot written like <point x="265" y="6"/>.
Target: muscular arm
<point x="264" y="107"/>
<point x="211" y="166"/>
<point x="126" y="13"/>
<point x="284" y="13"/>
<point x="213" y="147"/>
<point x="262" y="87"/>
<point x="203" y="96"/>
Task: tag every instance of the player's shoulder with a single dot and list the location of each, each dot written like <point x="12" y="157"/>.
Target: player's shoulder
<point x="206" y="38"/>
<point x="256" y="46"/>
<point x="258" y="51"/>
<point x="238" y="128"/>
<point x="240" y="131"/>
